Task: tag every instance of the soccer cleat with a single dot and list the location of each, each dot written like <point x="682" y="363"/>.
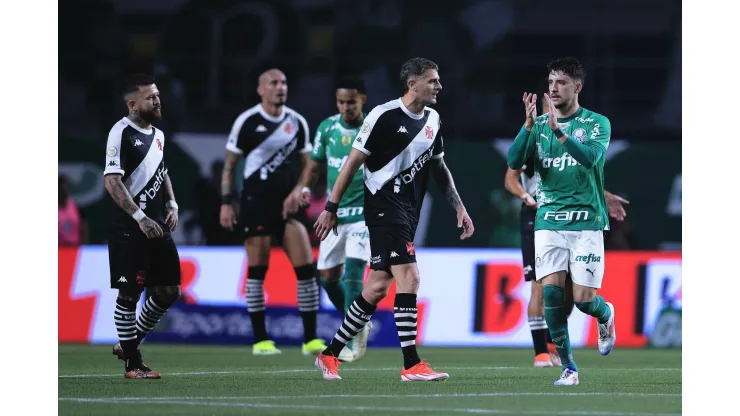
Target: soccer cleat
<point x="607" y="333"/>
<point x="138" y="374"/>
<point x="328" y="365"/>
<point x="422" y="372"/>
<point x="346" y="355"/>
<point x="359" y="346"/>
<point x="313" y="347"/>
<point x="554" y="355"/>
<point x="266" y="347"/>
<point x="542" y="360"/>
<point x="118" y="352"/>
<point x="569" y="377"/>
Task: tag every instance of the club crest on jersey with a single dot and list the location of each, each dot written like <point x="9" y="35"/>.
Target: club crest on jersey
<point x="288" y="128"/>
<point x="579" y="134"/>
<point x="429" y="131"/>
<point x="410" y="249"/>
<point x="346" y="140"/>
<point x="159" y="144"/>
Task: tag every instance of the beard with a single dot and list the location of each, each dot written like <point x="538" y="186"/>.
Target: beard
<point x="151" y="115"/>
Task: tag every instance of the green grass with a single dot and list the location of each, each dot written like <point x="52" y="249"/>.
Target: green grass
<point x="229" y="380"/>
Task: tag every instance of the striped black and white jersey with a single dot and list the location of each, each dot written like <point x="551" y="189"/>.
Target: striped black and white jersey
<point x="271" y="147"/>
<point x="399" y="145"/>
<point x="138" y="155"/>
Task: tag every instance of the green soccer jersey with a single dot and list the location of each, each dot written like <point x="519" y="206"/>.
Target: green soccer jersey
<point x="332" y="145"/>
<point x="570" y="176"/>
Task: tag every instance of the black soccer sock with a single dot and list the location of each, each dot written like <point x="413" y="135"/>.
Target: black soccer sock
<point x="549" y="337"/>
<point x="538" y="326"/>
<point x="308" y="300"/>
<point x="357" y="316"/>
<point x="256" y="301"/>
<point x="125" y="319"/>
<point x="151" y="313"/>
<point x="404" y="310"/>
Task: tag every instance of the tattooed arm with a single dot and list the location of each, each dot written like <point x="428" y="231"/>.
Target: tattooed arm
<point x="122" y="198"/>
<point x="227" y="217"/>
<point x="443" y="179"/>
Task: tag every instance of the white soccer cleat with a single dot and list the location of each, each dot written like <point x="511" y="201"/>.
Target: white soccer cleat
<point x="346" y="355"/>
<point x="359" y="346"/>
<point x="569" y="377"/>
<point x="607" y="333"/>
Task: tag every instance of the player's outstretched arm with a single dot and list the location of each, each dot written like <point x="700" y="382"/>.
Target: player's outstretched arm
<point x="172" y="209"/>
<point x="118" y="192"/>
<point x="443" y="179"/>
<point x="512" y="184"/>
<point x="227" y="218"/>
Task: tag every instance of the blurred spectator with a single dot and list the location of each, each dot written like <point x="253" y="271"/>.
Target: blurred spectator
<point x="72" y="228"/>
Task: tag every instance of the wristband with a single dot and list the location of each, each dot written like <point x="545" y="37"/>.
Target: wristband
<point x="138" y="215"/>
<point x="171" y="204"/>
<point x="331" y="206"/>
<point x="227" y="199"/>
<point x="558" y="133"/>
<point x="306" y="189"/>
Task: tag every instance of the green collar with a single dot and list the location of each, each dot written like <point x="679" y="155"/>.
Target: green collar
<point x="574" y="115"/>
<point x="348" y="127"/>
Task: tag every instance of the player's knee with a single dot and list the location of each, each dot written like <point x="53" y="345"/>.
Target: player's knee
<point x="375" y="290"/>
<point x="583" y="294"/>
<point x="537" y="296"/>
<point x="130" y="295"/>
<point x="168" y="294"/>
<point x="409" y="281"/>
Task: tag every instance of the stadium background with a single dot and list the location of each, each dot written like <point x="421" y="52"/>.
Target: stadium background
<point x="206" y="55"/>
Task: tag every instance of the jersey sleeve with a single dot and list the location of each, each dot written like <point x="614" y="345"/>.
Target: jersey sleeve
<point x="601" y="133"/>
<point x="304" y="136"/>
<point x="439" y="147"/>
<point x="238" y="136"/>
<point x="369" y="137"/>
<point x="115" y="152"/>
<point x="319" y="149"/>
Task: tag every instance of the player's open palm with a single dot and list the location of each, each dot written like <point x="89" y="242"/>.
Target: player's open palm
<point x="326" y="222"/>
<point x="464" y="222"/>
<point x="530" y="109"/>
<point x="615" y="206"/>
<point x="552" y="121"/>
<point x="290" y="205"/>
<point x="227" y="218"/>
<point x="150" y="228"/>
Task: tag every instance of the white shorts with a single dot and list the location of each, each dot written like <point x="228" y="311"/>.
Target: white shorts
<point x="353" y="241"/>
<point x="581" y="252"/>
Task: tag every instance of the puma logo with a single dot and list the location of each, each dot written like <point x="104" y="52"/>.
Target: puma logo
<point x="591" y="271"/>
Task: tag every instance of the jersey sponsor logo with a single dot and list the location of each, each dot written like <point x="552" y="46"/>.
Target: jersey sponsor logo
<point x="394" y="254"/>
<point x="260" y="129"/>
<point x="584" y="120"/>
<point x="337" y="162"/>
<point x="138" y="143"/>
<point x="158" y="180"/>
<point x="591" y="258"/>
<point x="595" y="132"/>
<point x="566" y="215"/>
<point x="559" y="163"/>
<point x="349" y="211"/>
<point x="363" y="235"/>
<point x="280" y="156"/>
<point x="418" y="165"/>
<point x="402" y="129"/>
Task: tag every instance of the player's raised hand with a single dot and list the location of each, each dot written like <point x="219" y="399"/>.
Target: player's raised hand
<point x="552" y="121"/>
<point x="227" y="218"/>
<point x="172" y="218"/>
<point x="326" y="222"/>
<point x="530" y="109"/>
<point x="615" y="206"/>
<point x="150" y="228"/>
<point x="464" y="222"/>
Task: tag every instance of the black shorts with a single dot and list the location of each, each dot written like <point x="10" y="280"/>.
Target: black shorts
<point x="263" y="215"/>
<point x="391" y="245"/>
<point x="137" y="262"/>
<point x="526" y="228"/>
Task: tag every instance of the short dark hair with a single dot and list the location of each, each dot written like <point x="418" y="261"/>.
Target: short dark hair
<point x="415" y="67"/>
<point x="569" y="66"/>
<point x="351" y="82"/>
<point x="136" y="81"/>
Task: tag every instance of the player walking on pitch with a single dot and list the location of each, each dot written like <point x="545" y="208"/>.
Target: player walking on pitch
<point x="400" y="144"/>
<point x="350" y="249"/>
<point x="568" y="146"/>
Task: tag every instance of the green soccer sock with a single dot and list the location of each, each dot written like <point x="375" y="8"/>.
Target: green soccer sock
<point x="354" y="271"/>
<point x="596" y="308"/>
<point x="557" y="322"/>
<point x="335" y="292"/>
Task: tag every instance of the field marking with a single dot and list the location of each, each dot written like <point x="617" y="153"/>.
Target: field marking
<point x="308" y="370"/>
<point x="370" y="408"/>
<point x="381" y="396"/>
